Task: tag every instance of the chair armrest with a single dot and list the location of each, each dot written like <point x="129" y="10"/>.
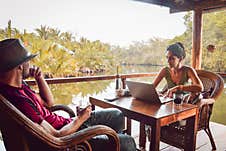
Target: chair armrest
<point x="63" y="108"/>
<point x="203" y="102"/>
<point x="88" y="133"/>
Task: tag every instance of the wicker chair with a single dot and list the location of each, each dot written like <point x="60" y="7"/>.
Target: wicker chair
<point x="20" y="133"/>
<point x="177" y="135"/>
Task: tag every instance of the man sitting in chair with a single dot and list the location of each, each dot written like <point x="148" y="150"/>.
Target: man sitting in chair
<point x="15" y="67"/>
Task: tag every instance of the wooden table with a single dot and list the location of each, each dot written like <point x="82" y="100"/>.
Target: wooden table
<point x="155" y="115"/>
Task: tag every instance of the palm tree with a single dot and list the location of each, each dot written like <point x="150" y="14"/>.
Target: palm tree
<point x="54" y="34"/>
<point x="16" y="33"/>
<point x="7" y="32"/>
<point x="9" y="29"/>
<point x="66" y="36"/>
<point x="42" y="32"/>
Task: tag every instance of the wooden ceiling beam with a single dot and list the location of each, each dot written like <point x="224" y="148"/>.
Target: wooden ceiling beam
<point x="211" y="4"/>
<point x="204" y="5"/>
<point x="187" y="5"/>
<point x="166" y="3"/>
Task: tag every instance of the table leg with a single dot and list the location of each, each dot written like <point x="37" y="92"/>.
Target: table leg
<point x="93" y="107"/>
<point x="155" y="136"/>
<point x="128" y="126"/>
<point x="142" y="137"/>
<point x="193" y="125"/>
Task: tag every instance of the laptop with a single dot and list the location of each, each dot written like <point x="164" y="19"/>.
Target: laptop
<point x="145" y="92"/>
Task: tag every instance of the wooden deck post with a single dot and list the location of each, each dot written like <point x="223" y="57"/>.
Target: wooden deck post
<point x="197" y="40"/>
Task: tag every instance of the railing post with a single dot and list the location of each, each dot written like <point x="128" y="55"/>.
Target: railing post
<point x="117" y="84"/>
<point x="128" y="120"/>
<point x="123" y="80"/>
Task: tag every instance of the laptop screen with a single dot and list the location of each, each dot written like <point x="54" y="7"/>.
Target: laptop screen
<point x="144" y="91"/>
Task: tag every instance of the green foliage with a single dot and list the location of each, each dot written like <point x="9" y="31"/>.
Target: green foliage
<point x="214" y="32"/>
<point x="144" y="53"/>
<point x="60" y="54"/>
<point x="94" y="55"/>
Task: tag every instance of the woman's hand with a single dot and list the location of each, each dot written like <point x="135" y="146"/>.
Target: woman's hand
<point x="160" y="93"/>
<point x="171" y="91"/>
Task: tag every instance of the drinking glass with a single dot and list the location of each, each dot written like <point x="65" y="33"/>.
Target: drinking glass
<point x="80" y="103"/>
<point x="77" y="101"/>
<point x="178" y="98"/>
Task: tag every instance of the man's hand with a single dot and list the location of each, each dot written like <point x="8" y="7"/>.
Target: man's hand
<point x="85" y="113"/>
<point x="35" y="72"/>
<point x="44" y="90"/>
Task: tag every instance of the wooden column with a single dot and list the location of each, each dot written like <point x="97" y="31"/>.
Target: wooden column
<point x="197" y="40"/>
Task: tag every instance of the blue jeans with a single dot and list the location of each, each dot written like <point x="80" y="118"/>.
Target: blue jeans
<point x="115" y="119"/>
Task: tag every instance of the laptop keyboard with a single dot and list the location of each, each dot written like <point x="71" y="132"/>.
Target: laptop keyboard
<point x="165" y="99"/>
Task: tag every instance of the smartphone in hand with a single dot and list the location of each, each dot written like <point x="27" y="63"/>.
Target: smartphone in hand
<point x="111" y="99"/>
<point x="80" y="109"/>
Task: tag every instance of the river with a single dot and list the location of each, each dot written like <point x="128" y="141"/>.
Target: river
<point x="63" y="92"/>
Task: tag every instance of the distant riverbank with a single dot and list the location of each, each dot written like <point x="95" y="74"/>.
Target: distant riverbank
<point x="142" y="64"/>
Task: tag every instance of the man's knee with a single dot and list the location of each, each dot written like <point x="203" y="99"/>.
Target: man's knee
<point x="117" y="113"/>
<point x="127" y="143"/>
<point x="115" y="119"/>
<point x="117" y="116"/>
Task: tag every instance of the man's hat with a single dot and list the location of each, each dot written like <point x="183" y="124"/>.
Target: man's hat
<point x="12" y="54"/>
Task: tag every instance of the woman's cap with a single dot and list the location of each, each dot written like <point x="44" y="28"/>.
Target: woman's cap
<point x="12" y="54"/>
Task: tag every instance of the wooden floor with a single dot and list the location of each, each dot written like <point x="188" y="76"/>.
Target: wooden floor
<point x="203" y="144"/>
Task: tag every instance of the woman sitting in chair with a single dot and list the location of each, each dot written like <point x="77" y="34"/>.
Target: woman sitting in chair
<point x="177" y="75"/>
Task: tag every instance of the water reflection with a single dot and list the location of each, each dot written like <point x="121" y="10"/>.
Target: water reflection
<point x="139" y="69"/>
<point x="63" y="92"/>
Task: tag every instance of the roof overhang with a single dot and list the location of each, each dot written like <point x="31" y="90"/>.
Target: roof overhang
<point x="188" y="5"/>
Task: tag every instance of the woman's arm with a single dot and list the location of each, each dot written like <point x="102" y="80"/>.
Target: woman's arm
<point x="159" y="77"/>
<point x="196" y="85"/>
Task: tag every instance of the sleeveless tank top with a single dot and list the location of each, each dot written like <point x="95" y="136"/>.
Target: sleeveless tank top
<point x="183" y="80"/>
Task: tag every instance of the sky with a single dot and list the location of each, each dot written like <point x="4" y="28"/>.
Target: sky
<point x="118" y="22"/>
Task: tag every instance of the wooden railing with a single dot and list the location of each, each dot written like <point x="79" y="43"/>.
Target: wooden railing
<point x="93" y="78"/>
<point x="102" y="77"/>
